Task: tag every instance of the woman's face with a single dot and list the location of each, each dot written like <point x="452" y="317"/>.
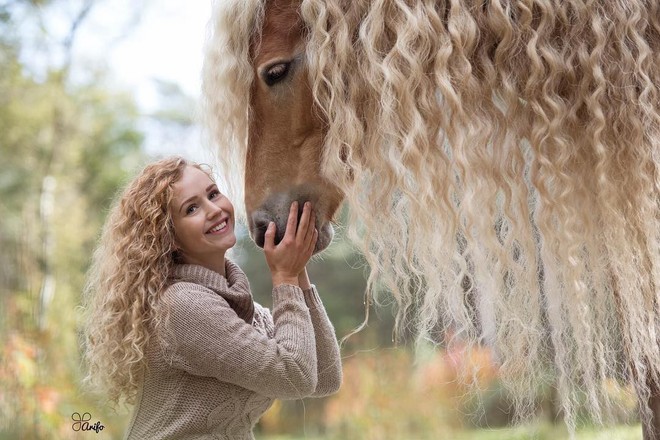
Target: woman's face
<point x="203" y="219"/>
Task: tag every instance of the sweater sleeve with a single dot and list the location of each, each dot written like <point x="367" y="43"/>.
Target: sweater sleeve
<point x="263" y="318"/>
<point x="329" y="367"/>
<point x="205" y="337"/>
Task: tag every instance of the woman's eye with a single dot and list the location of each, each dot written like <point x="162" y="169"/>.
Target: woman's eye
<point x="276" y="73"/>
<point x="191" y="209"/>
<point x="214" y="194"/>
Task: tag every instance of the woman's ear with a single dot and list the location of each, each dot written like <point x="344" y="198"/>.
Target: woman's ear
<point x="177" y="253"/>
<point x="175" y="242"/>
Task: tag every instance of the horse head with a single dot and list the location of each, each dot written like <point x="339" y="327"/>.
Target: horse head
<point x="285" y="133"/>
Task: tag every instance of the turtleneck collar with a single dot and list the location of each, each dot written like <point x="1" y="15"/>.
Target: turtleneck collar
<point x="234" y="288"/>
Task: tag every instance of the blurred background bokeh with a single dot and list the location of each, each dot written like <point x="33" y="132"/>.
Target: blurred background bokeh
<point x="91" y="90"/>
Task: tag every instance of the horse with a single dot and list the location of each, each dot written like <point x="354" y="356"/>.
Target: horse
<point x="499" y="159"/>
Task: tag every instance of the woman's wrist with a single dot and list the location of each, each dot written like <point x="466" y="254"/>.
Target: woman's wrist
<point x="284" y="279"/>
<point x="303" y="280"/>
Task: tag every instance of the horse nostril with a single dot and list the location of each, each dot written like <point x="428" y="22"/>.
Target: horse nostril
<point x="260" y="236"/>
<point x="260" y="221"/>
<point x="259" y="232"/>
<point x="279" y="235"/>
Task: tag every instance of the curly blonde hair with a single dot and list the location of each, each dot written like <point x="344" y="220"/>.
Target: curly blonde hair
<point x="129" y="272"/>
<point x="499" y="159"/>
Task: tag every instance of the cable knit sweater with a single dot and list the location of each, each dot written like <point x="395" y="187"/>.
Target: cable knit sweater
<point x="223" y="358"/>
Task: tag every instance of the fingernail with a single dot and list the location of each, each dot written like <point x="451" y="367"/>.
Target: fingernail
<point x="270" y="225"/>
<point x="308" y="204"/>
<point x="295" y="203"/>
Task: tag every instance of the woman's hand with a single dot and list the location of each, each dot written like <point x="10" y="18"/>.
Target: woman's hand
<point x="288" y="259"/>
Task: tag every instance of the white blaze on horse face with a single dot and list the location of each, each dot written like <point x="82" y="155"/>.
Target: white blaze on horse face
<point x="285" y="135"/>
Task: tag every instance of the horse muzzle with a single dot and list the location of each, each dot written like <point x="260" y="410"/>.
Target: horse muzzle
<point x="276" y="209"/>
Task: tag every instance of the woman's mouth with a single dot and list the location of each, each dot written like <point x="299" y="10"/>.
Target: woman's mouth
<point x="219" y="228"/>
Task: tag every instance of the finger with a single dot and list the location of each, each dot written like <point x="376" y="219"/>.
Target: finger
<point x="301" y="234"/>
<point x="312" y="244"/>
<point x="310" y="230"/>
<point x="291" y="223"/>
<point x="269" y="237"/>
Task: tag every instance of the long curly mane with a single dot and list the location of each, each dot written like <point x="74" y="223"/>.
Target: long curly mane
<point x="501" y="160"/>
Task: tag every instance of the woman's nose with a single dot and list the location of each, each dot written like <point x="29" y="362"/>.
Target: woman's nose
<point x="212" y="209"/>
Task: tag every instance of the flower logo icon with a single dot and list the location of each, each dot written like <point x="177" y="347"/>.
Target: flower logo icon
<point x="78" y="420"/>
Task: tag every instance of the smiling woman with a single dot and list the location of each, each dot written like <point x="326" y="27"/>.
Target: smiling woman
<point x="170" y="319"/>
<point x="203" y="220"/>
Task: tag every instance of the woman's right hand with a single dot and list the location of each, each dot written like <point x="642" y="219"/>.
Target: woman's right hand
<point x="287" y="259"/>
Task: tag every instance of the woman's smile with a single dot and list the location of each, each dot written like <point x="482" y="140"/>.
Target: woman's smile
<point x="220" y="227"/>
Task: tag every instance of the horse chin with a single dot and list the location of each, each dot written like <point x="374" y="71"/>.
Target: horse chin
<point x="326" y="233"/>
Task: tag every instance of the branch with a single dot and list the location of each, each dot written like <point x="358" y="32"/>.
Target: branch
<point x="68" y="41"/>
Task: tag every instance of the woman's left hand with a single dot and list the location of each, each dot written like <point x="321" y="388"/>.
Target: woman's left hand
<point x="288" y="258"/>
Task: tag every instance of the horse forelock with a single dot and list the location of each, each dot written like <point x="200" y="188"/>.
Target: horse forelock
<point x="280" y="27"/>
<point x="227" y="77"/>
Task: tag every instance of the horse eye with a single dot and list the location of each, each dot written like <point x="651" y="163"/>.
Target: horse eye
<point x="276" y="73"/>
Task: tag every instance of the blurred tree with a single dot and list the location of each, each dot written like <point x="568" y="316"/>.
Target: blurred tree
<point x="65" y="149"/>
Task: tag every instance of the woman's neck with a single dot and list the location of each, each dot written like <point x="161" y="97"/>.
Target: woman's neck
<point x="216" y="263"/>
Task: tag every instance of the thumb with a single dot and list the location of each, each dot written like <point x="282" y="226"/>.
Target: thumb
<point x="269" y="237"/>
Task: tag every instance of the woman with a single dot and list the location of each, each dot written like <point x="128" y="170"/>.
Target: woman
<point x="172" y="326"/>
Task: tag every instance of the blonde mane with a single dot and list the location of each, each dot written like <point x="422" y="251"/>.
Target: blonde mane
<point x="500" y="161"/>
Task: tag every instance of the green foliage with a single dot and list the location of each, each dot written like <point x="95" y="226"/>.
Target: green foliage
<point x="65" y="149"/>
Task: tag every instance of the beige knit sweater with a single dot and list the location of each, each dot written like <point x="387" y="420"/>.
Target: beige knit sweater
<point x="223" y="358"/>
